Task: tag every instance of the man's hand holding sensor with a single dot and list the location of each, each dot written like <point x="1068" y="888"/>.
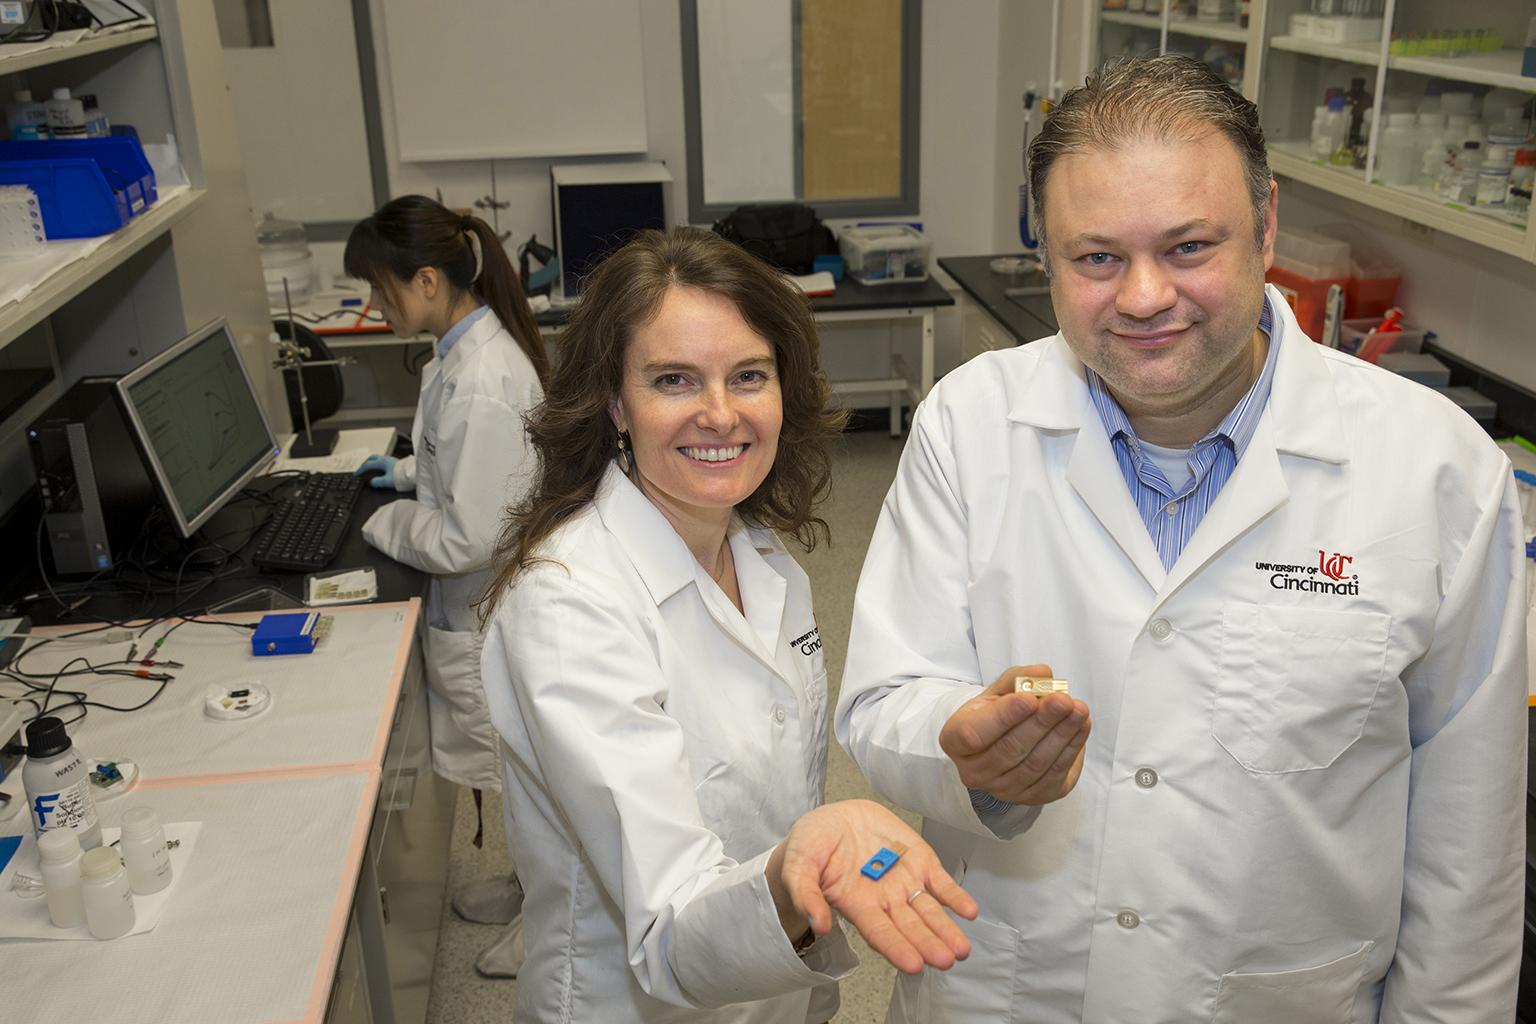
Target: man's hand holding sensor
<point x="1020" y="748"/>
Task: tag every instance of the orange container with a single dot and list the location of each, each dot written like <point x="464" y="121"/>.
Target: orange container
<point x="1308" y="297"/>
<point x="1306" y="265"/>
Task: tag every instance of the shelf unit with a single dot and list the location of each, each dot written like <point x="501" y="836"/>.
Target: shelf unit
<point x="1225" y="30"/>
<point x="1281" y="69"/>
<point x="63" y="285"/>
<point x="1167" y="25"/>
<point x="188" y="258"/>
<point x="10" y="65"/>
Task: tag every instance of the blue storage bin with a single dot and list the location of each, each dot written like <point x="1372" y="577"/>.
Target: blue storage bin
<point x="86" y="187"/>
<point x="73" y="195"/>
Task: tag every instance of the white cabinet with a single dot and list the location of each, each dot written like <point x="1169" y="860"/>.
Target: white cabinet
<point x="1425" y="48"/>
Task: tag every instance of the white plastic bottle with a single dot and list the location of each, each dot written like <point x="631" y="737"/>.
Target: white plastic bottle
<point x="108" y="900"/>
<point x="66" y="116"/>
<point x="59" y="856"/>
<point x="58" y="783"/>
<point x="1493" y="176"/>
<point x="144" y="853"/>
<point x="1397" y="152"/>
<point x="25" y="117"/>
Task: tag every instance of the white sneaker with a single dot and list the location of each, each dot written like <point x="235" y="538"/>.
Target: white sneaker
<point x="490" y="901"/>
<point x="504" y="957"/>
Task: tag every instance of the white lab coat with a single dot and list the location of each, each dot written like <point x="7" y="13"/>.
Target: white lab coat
<point x="659" y="745"/>
<point x="472" y="460"/>
<point x="1335" y="827"/>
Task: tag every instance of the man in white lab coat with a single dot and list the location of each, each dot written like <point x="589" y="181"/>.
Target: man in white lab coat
<point x="1286" y="585"/>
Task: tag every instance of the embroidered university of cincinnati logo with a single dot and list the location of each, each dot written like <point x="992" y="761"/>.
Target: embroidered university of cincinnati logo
<point x="1331" y="575"/>
<point x="809" y="643"/>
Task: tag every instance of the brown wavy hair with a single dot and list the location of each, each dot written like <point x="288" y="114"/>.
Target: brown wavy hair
<point x="571" y="430"/>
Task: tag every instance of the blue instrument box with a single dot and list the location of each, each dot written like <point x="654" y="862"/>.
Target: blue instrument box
<point x="289" y="633"/>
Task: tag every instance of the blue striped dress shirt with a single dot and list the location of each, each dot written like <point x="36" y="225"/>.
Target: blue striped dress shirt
<point x="1173" y="516"/>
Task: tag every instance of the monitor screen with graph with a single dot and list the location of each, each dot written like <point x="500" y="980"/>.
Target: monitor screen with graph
<point x="199" y="424"/>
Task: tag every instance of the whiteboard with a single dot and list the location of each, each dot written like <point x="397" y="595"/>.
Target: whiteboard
<point x="747" y="100"/>
<point x="487" y="79"/>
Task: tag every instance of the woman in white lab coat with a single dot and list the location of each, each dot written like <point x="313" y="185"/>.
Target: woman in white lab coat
<point x="436" y="272"/>
<point x="654" y="668"/>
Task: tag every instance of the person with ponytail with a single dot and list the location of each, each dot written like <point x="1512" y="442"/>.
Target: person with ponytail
<point x="435" y="272"/>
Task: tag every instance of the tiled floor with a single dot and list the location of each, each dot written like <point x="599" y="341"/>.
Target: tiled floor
<point x="863" y="472"/>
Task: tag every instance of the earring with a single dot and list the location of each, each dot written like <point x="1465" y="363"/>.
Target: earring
<point x="625" y="462"/>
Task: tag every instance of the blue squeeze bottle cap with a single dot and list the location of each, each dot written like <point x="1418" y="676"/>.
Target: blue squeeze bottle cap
<point x="1337" y="103"/>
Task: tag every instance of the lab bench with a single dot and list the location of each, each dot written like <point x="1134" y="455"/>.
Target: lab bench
<point x="319" y="877"/>
<point x="310" y="810"/>
<point x="1005" y="309"/>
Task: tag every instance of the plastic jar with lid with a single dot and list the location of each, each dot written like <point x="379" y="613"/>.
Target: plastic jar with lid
<point x="108" y="899"/>
<point x="144" y="853"/>
<point x="1397" y="152"/>
<point x="1493" y="176"/>
<point x="59" y="857"/>
<point x="285" y="255"/>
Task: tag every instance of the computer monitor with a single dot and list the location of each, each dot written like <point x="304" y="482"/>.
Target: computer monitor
<point x="198" y="423"/>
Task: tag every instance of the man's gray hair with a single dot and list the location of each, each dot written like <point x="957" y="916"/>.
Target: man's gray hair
<point x="1163" y="98"/>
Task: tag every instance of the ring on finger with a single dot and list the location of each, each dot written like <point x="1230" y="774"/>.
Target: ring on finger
<point x="913" y="895"/>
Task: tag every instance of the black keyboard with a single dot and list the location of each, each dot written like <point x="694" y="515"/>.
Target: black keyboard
<point x="307" y="529"/>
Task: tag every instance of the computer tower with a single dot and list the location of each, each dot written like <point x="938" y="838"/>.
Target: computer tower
<point x="94" y="488"/>
<point x="599" y="207"/>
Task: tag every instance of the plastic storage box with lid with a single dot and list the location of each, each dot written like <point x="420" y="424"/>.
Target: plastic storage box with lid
<point x="885" y="254"/>
<point x="1306" y="265"/>
<point x="285" y="255"/>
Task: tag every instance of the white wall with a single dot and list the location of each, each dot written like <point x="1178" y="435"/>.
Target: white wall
<point x="976" y="55"/>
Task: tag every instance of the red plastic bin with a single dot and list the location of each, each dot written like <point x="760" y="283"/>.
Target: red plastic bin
<point x="1308" y="297"/>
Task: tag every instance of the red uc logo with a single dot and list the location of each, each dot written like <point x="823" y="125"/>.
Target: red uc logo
<point x="1333" y="565"/>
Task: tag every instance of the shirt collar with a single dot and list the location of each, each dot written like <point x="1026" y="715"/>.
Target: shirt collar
<point x="658" y="553"/>
<point x="458" y="330"/>
<point x="1236" y="427"/>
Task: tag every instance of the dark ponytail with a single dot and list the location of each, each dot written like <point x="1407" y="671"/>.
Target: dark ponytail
<point x="411" y="232"/>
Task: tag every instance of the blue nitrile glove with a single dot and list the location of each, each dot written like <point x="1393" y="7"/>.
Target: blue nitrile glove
<point x="382" y="469"/>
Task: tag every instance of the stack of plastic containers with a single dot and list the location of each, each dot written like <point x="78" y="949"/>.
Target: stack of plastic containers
<point x="1306" y="265"/>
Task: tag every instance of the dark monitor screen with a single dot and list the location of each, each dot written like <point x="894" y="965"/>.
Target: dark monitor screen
<point x="199" y="424"/>
<point x="596" y="219"/>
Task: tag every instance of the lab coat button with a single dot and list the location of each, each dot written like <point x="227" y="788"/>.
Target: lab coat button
<point x="1128" y="919"/>
<point x="1160" y="629"/>
<point x="1146" y="778"/>
<point x="778" y="713"/>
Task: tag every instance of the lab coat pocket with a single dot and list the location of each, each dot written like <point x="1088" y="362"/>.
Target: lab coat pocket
<point x="1295" y="684"/>
<point x="983" y="987"/>
<point x="463" y="739"/>
<point x="1323" y="994"/>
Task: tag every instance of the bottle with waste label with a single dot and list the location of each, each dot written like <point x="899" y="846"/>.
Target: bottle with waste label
<point x="58" y="783"/>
